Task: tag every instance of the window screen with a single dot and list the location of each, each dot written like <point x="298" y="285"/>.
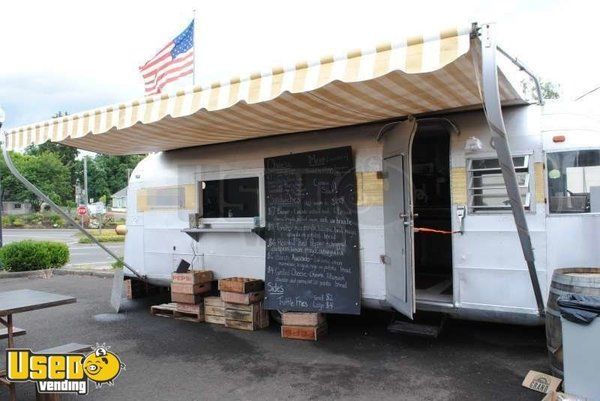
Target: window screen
<point x="487" y="191"/>
<point x="236" y="197"/>
<point x="574" y="181"/>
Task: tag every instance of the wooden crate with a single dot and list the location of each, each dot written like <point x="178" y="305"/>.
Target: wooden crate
<point x="186" y="298"/>
<point x="242" y="299"/>
<point x="213" y="301"/>
<point x="302" y="319"/>
<point x="200" y="288"/>
<point x="193" y="277"/>
<point x="241" y="285"/>
<point x="246" y="317"/>
<point x="214" y="310"/>
<point x="214" y="319"/>
<point x="310" y="333"/>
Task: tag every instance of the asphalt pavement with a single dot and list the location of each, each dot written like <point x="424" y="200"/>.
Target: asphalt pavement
<point x="169" y="359"/>
<point x="81" y="254"/>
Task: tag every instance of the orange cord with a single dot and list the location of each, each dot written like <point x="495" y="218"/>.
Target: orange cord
<point x="434" y="231"/>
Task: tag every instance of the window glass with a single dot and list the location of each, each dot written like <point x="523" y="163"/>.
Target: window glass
<point x="487" y="192"/>
<point x="237" y="197"/>
<point x="574" y="181"/>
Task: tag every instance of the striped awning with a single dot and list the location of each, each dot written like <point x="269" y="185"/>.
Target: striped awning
<point x="416" y="76"/>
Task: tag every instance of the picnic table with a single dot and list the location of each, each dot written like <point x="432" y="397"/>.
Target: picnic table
<point x="17" y="301"/>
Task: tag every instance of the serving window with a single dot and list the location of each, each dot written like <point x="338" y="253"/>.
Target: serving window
<point x="574" y="181"/>
<point x="226" y="198"/>
<point x="487" y="191"/>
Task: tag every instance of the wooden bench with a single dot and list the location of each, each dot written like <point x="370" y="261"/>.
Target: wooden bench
<point x="71" y="348"/>
<point x="16" y="332"/>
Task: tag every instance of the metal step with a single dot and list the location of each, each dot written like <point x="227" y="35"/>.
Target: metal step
<point x="428" y="330"/>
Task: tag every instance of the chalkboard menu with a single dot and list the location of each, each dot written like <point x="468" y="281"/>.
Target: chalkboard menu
<point x="312" y="260"/>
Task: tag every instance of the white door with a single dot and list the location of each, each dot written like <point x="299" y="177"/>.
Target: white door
<point x="398" y="217"/>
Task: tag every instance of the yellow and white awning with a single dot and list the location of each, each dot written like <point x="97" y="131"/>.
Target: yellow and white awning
<point x="416" y="76"/>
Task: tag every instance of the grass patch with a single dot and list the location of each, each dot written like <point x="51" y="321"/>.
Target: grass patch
<point x="112" y="237"/>
<point x="108" y="235"/>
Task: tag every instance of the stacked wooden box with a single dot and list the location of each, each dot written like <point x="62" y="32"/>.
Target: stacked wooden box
<point x="187" y="291"/>
<point x="303" y="326"/>
<point x="242" y="300"/>
<point x="214" y="310"/>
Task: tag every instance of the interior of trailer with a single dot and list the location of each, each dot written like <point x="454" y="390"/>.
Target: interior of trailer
<point x="432" y="208"/>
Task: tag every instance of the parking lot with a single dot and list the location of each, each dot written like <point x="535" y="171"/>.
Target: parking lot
<point x="170" y="359"/>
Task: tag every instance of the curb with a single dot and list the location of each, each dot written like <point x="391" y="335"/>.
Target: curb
<point x="47" y="273"/>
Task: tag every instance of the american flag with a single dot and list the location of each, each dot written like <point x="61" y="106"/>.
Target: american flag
<point x="174" y="61"/>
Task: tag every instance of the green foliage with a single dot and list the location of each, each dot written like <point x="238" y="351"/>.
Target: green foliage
<point x="34" y="255"/>
<point x="550" y="89"/>
<point x="55" y="169"/>
<point x="109" y="237"/>
<point x="118" y="264"/>
<point x="109" y="174"/>
<point x="45" y="171"/>
<point x="33" y="220"/>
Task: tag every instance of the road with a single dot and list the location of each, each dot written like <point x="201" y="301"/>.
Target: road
<point x="81" y="254"/>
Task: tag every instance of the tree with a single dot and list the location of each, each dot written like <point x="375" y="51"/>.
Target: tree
<point x="45" y="171"/>
<point x="109" y="174"/>
<point x="550" y="89"/>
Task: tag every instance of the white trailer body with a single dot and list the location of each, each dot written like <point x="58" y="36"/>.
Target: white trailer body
<point x="489" y="280"/>
<point x="412" y="112"/>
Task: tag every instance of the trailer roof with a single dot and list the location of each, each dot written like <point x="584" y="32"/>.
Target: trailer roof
<point x="418" y="75"/>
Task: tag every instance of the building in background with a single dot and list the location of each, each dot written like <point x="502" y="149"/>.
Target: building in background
<point x="11" y="207"/>
<point x="119" y="201"/>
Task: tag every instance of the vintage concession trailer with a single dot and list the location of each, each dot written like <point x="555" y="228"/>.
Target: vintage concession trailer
<point x="449" y="217"/>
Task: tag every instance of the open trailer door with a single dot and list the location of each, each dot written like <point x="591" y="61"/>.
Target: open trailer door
<point x="398" y="217"/>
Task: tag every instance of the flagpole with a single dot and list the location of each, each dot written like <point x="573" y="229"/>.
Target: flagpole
<point x="194" y="55"/>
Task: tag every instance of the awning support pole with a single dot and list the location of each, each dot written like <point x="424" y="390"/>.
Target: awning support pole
<point x="58" y="210"/>
<point x="493" y="109"/>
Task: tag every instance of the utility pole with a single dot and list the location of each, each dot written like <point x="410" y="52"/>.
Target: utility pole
<point x="85" y="181"/>
<point x="2" y="117"/>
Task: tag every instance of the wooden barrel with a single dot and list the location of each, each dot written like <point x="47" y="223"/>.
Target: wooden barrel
<point x="121" y="229"/>
<point x="578" y="280"/>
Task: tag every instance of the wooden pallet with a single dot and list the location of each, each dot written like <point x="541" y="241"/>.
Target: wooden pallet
<point x="164" y="310"/>
<point x="195" y="317"/>
<point x="170" y="310"/>
<point x="241" y="285"/>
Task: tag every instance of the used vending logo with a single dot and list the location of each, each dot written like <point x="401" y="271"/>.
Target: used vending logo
<point x="64" y="373"/>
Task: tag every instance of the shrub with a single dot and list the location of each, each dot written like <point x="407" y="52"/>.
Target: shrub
<point x="33" y="255"/>
<point x="17" y="222"/>
<point x="118" y="264"/>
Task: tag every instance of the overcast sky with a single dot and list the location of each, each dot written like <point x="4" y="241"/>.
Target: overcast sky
<point x="76" y="55"/>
